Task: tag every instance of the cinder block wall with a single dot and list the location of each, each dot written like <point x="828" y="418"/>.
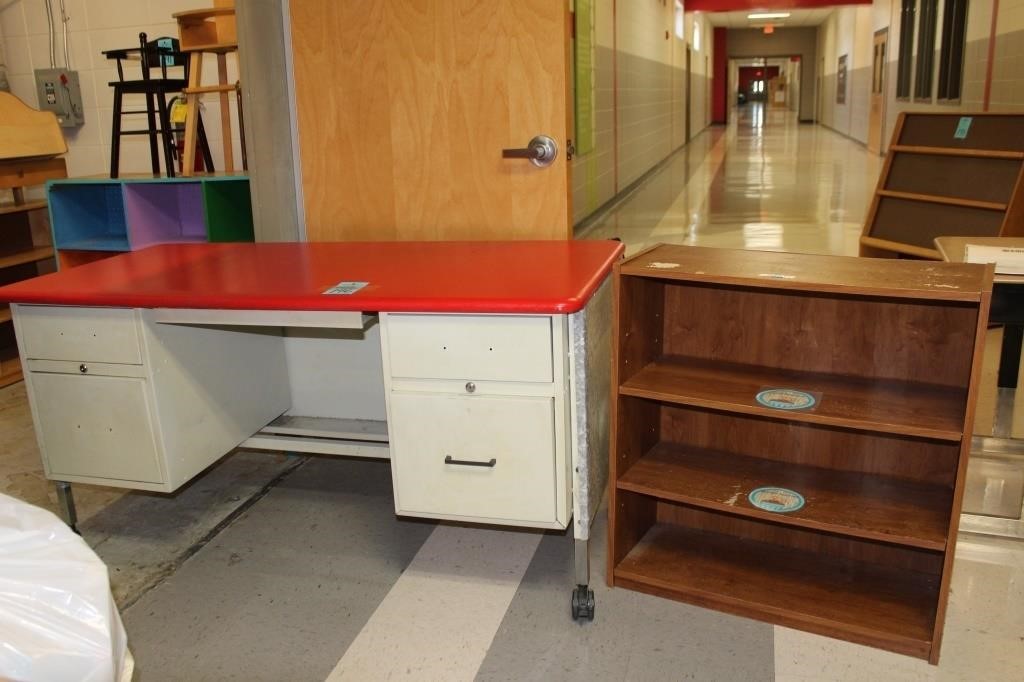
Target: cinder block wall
<point x="851" y="30"/>
<point x="639" y="81"/>
<point x="97" y="25"/>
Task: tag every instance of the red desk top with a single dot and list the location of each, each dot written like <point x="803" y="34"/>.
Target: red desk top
<point x="473" y="277"/>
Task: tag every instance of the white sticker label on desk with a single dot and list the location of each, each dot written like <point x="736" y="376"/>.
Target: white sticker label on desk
<point x="345" y="288"/>
<point x="1008" y="260"/>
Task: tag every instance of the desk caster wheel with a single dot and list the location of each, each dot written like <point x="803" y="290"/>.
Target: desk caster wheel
<point x="582" y="603"/>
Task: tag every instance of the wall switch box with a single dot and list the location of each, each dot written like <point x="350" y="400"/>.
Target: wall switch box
<point x="58" y="91"/>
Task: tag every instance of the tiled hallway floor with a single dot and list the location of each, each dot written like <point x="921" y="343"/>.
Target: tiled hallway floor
<point x="763" y="182"/>
<point x="317" y="579"/>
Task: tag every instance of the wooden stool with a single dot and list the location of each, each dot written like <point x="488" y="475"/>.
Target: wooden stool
<point x="209" y="31"/>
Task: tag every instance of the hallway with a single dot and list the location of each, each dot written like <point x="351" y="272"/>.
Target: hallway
<point x="763" y="182"/>
<point x="287" y="567"/>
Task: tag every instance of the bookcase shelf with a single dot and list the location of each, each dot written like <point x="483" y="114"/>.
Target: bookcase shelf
<point x="126" y="214"/>
<point x="947" y="174"/>
<point x="869" y="404"/>
<point x="874" y="466"/>
<point x="858" y="601"/>
<point x="856" y="504"/>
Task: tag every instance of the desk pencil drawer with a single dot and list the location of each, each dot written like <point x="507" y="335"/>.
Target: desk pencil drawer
<point x="478" y="347"/>
<point x="80" y="334"/>
<point x="96" y="426"/>
<point x="473" y="458"/>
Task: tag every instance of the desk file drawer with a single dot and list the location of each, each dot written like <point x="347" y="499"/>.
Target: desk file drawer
<point x="515" y="433"/>
<point x="470" y="347"/>
<point x="96" y="426"/>
<point x="80" y="334"/>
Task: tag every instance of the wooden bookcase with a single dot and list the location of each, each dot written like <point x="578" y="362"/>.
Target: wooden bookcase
<point x="947" y="175"/>
<point x="29" y="142"/>
<point x="890" y="348"/>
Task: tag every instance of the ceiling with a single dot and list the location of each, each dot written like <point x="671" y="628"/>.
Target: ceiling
<point x="797" y="18"/>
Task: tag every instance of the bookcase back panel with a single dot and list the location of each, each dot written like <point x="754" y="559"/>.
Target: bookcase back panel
<point x="918" y="223"/>
<point x="641" y="303"/>
<point x="844" y="335"/>
<point x="811" y="445"/>
<point x="998" y="132"/>
<point x="635" y="515"/>
<point x="961" y="177"/>
<point x="634" y="442"/>
<point x="890" y="556"/>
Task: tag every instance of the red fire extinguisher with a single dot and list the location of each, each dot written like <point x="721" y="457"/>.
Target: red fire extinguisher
<point x="178" y="114"/>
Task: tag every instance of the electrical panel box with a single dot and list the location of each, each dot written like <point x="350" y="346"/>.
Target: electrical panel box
<point x="59" y="92"/>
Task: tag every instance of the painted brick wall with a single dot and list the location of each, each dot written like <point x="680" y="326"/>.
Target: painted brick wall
<point x="98" y="25"/>
<point x="847" y="31"/>
<point x="631" y="49"/>
<point x="851" y="31"/>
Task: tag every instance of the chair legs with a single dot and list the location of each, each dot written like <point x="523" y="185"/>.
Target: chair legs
<point x="204" y="145"/>
<point x="115" y="135"/>
<point x="154" y="153"/>
<point x="159" y="131"/>
<point x="166" y="134"/>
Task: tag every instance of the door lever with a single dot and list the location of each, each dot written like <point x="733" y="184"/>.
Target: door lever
<point x="541" y="151"/>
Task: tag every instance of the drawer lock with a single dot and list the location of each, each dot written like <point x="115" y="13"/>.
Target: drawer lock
<point x="469" y="463"/>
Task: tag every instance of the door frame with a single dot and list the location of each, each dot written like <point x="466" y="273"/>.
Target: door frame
<point x="883" y="82"/>
<point x="689" y="93"/>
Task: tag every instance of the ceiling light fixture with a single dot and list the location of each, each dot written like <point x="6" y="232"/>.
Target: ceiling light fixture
<point x="768" y="15"/>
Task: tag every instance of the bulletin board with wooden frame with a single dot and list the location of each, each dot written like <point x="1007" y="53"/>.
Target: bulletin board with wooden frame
<point x="947" y="174"/>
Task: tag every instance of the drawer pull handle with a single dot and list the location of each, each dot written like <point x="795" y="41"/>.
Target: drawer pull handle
<point x="470" y="387"/>
<point x="470" y="463"/>
<point x="82" y="368"/>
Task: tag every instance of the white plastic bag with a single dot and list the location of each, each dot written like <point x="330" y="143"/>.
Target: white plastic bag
<point x="58" y="620"/>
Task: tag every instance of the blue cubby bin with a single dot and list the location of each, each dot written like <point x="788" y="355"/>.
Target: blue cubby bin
<point x="88" y="216"/>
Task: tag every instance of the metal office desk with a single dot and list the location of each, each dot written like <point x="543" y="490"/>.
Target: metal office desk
<point x="994" y="493"/>
<point x="479" y="368"/>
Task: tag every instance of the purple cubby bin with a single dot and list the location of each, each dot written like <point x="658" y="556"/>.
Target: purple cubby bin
<point x="164" y="213"/>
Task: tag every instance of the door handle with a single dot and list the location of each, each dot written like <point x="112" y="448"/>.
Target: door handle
<point x="541" y="151"/>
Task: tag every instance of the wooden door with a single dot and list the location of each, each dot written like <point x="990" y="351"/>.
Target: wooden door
<point x="877" y="115"/>
<point x="404" y="108"/>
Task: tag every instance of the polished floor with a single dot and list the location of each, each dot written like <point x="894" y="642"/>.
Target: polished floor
<point x="291" y="568"/>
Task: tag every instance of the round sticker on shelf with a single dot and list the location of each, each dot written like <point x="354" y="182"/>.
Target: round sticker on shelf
<point x="776" y="499"/>
<point x="786" y="399"/>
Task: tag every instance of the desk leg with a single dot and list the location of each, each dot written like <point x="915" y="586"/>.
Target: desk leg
<point x="66" y="503"/>
<point x="1009" y="355"/>
<point x="582" y="596"/>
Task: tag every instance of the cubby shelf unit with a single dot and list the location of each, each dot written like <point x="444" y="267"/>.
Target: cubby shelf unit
<point x="891" y="351"/>
<point x="95" y="215"/>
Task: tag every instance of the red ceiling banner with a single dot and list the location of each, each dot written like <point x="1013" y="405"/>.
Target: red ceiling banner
<point x="753" y="5"/>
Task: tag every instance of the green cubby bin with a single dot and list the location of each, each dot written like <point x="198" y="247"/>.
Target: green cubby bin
<point x="227" y="207"/>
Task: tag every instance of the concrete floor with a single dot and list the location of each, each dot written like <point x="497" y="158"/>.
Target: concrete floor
<point x="286" y="568"/>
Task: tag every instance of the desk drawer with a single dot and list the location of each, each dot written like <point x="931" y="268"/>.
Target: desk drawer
<point x="517" y="433"/>
<point x="96" y="426"/>
<point x="470" y="347"/>
<point x="80" y="334"/>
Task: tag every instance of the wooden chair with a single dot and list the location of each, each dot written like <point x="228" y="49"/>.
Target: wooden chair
<point x="213" y="31"/>
<point x="159" y="53"/>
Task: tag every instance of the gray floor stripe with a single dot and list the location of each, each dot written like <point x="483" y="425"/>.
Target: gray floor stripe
<point x="282" y="592"/>
<point x="633" y="637"/>
<point x="440" y="617"/>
